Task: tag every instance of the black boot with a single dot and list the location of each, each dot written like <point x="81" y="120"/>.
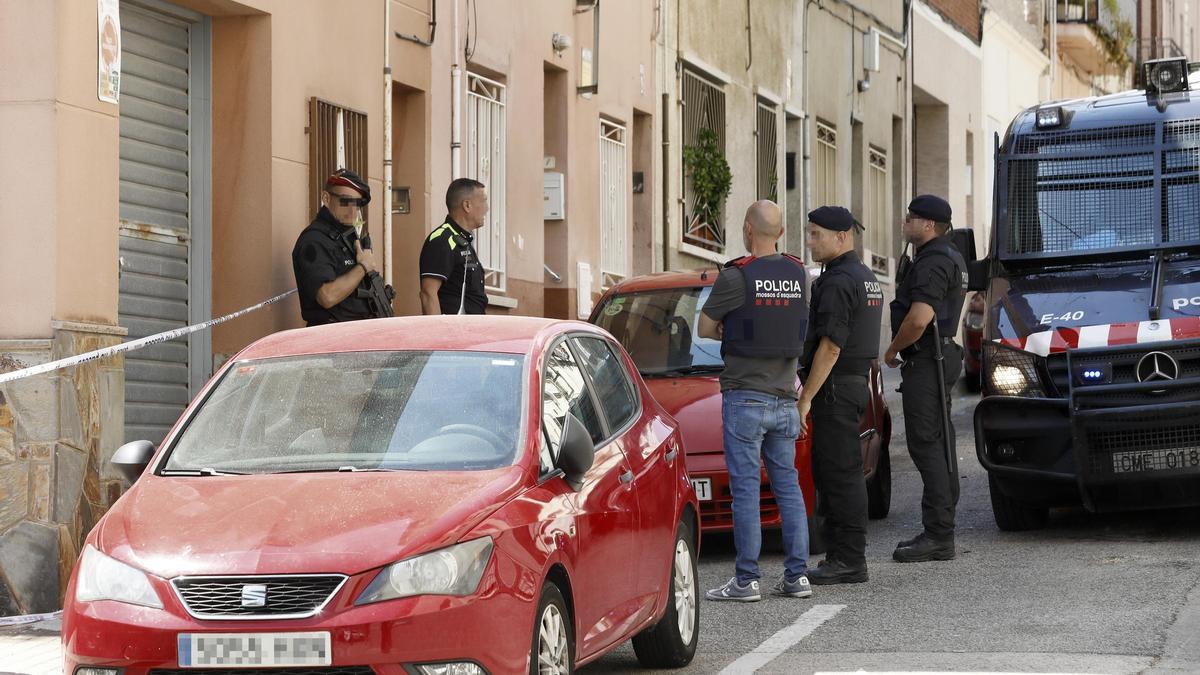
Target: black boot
<point x="925" y="549"/>
<point x="909" y="542"/>
<point x="837" y="572"/>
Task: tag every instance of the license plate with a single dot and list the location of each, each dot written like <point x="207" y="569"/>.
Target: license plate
<point x="703" y="488"/>
<point x="250" y="650"/>
<point x="1155" y="460"/>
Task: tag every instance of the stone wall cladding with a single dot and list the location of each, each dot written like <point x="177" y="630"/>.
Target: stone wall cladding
<point x="57" y="432"/>
<point x="963" y="14"/>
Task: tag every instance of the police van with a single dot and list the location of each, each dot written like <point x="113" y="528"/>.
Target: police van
<point x="1091" y="361"/>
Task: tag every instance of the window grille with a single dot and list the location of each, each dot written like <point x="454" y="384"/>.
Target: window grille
<point x="337" y="139"/>
<point x="766" y="152"/>
<point x="614" y="203"/>
<point x="485" y="161"/>
<point x="703" y="108"/>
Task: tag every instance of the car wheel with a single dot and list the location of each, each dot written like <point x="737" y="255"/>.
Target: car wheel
<point x="1013" y="516"/>
<point x="879" y="487"/>
<point x="671" y="643"/>
<point x="553" y="650"/>
<point x="972" y="382"/>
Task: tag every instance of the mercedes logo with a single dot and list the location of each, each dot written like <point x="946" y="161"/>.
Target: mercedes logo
<point x="1157" y="366"/>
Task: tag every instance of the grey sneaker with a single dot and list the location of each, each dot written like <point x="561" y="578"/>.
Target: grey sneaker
<point x="797" y="588"/>
<point x="736" y="592"/>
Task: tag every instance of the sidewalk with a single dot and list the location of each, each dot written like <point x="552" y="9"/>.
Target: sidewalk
<point x="31" y="649"/>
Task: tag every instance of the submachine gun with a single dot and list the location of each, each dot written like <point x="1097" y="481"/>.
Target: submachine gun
<point x="372" y="289"/>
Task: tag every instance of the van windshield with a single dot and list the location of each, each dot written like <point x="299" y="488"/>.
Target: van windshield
<point x="1111" y="189"/>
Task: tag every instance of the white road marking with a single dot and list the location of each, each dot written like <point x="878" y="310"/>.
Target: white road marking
<point x="782" y="641"/>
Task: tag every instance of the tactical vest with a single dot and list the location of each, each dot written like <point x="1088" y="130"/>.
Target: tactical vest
<point x="950" y="308"/>
<point x="862" y="345"/>
<point x="771" y="321"/>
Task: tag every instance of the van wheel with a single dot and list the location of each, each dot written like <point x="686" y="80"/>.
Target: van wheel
<point x="553" y="650"/>
<point x="671" y="643"/>
<point x="879" y="487"/>
<point x="1013" y="516"/>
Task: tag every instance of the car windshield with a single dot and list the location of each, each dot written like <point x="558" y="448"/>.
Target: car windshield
<point x="659" y="330"/>
<point x="408" y="410"/>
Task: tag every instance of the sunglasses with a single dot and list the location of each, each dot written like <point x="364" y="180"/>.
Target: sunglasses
<point x="348" y="201"/>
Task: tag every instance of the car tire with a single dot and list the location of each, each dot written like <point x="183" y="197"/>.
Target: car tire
<point x="671" y="643"/>
<point x="816" y="542"/>
<point x="553" y="647"/>
<point x="1014" y="516"/>
<point x="972" y="382"/>
<point x="879" y="486"/>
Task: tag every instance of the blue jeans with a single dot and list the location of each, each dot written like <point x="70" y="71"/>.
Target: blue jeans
<point x="760" y="425"/>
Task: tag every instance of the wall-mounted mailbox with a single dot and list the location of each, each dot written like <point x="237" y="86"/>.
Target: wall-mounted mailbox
<point x="553" y="196"/>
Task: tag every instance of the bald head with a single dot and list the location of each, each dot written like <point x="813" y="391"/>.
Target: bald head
<point x="765" y="219"/>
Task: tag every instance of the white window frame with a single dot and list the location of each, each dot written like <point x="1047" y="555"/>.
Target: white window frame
<point x="614" y="203"/>
<point x="485" y="161"/>
<point x="825" y="193"/>
<point x="877" y="218"/>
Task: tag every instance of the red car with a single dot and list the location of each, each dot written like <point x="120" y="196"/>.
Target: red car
<point x="655" y="319"/>
<point x="972" y="331"/>
<point x="426" y="495"/>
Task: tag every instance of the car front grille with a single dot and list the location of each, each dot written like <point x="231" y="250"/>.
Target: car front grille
<point x="345" y="670"/>
<point x="287" y="596"/>
<point x="718" y="511"/>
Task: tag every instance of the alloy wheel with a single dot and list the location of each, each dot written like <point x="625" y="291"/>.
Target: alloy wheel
<point x="553" y="654"/>
<point x="685" y="591"/>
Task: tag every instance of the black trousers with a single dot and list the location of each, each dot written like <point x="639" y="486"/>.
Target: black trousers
<point x="838" y="467"/>
<point x="923" y="426"/>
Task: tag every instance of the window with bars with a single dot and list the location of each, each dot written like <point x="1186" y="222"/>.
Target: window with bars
<point x="825" y="183"/>
<point x="337" y="139"/>
<point x="614" y="204"/>
<point x="766" y="151"/>
<point x="484" y="160"/>
<point x="877" y="217"/>
<point x="703" y="108"/>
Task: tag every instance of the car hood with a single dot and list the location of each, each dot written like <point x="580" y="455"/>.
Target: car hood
<point x="695" y="402"/>
<point x="297" y="523"/>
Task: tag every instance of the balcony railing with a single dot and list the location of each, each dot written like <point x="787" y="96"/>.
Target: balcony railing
<point x="1158" y="48"/>
<point x="1078" y="11"/>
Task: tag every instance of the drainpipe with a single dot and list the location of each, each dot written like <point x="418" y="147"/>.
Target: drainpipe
<point x="806" y="146"/>
<point x="456" y="106"/>
<point x="387" y="141"/>
<point x="1053" y="46"/>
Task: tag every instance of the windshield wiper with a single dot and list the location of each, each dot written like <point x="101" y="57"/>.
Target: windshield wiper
<point x="205" y="471"/>
<point x="344" y="469"/>
<point x="685" y="370"/>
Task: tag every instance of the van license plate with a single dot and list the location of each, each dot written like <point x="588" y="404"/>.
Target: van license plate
<point x="249" y="650"/>
<point x="703" y="488"/>
<point x="1155" y="460"/>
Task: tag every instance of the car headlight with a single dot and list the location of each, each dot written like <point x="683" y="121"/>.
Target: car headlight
<point x="1012" y="372"/>
<point x="450" y="571"/>
<point x="103" y="578"/>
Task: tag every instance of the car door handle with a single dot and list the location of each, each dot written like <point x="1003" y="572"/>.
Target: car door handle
<point x="627" y="477"/>
<point x="670" y="456"/>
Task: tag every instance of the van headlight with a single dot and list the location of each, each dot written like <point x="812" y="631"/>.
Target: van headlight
<point x="103" y="578"/>
<point x="450" y="571"/>
<point x="1011" y="372"/>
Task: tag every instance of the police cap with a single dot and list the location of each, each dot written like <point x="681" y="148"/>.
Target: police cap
<point x="930" y="207"/>
<point x="834" y="218"/>
<point x="347" y="178"/>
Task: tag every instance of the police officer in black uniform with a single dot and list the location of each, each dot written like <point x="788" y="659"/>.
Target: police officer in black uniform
<point x="843" y="339"/>
<point x="451" y="275"/>
<point x="329" y="260"/>
<point x="931" y="293"/>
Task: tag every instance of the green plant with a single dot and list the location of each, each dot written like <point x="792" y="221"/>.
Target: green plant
<point x="1116" y="42"/>
<point x="711" y="178"/>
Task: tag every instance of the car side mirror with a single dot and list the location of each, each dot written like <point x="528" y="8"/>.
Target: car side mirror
<point x="576" y="453"/>
<point x="963" y="239"/>
<point x="977" y="275"/>
<point x="132" y="459"/>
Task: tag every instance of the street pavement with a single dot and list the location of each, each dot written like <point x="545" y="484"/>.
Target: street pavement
<point x="1116" y="593"/>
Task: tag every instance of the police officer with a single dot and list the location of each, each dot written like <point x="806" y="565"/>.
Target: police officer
<point x="757" y="309"/>
<point x="451" y="276"/>
<point x="843" y="339"/>
<point x="329" y="260"/>
<point x="931" y="292"/>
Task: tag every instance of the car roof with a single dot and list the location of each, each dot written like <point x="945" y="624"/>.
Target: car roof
<point x="505" y="334"/>
<point x="663" y="280"/>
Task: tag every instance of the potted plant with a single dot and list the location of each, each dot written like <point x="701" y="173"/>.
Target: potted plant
<point x="711" y="180"/>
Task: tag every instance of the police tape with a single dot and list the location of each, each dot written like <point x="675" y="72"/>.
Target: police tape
<point x="133" y="344"/>
<point x="29" y="618"/>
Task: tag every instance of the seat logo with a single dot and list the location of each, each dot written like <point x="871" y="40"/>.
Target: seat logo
<point x="1157" y="366"/>
<point x="254" y="595"/>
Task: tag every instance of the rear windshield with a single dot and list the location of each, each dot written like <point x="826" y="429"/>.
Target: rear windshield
<point x="1100" y="190"/>
<point x="410" y="410"/>
<point x="659" y="329"/>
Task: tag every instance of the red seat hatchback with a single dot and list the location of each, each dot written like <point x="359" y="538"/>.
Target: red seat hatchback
<point x="456" y="495"/>
<point x="654" y="317"/>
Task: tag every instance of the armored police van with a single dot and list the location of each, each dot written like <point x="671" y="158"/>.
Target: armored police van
<point x="1091" y="365"/>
